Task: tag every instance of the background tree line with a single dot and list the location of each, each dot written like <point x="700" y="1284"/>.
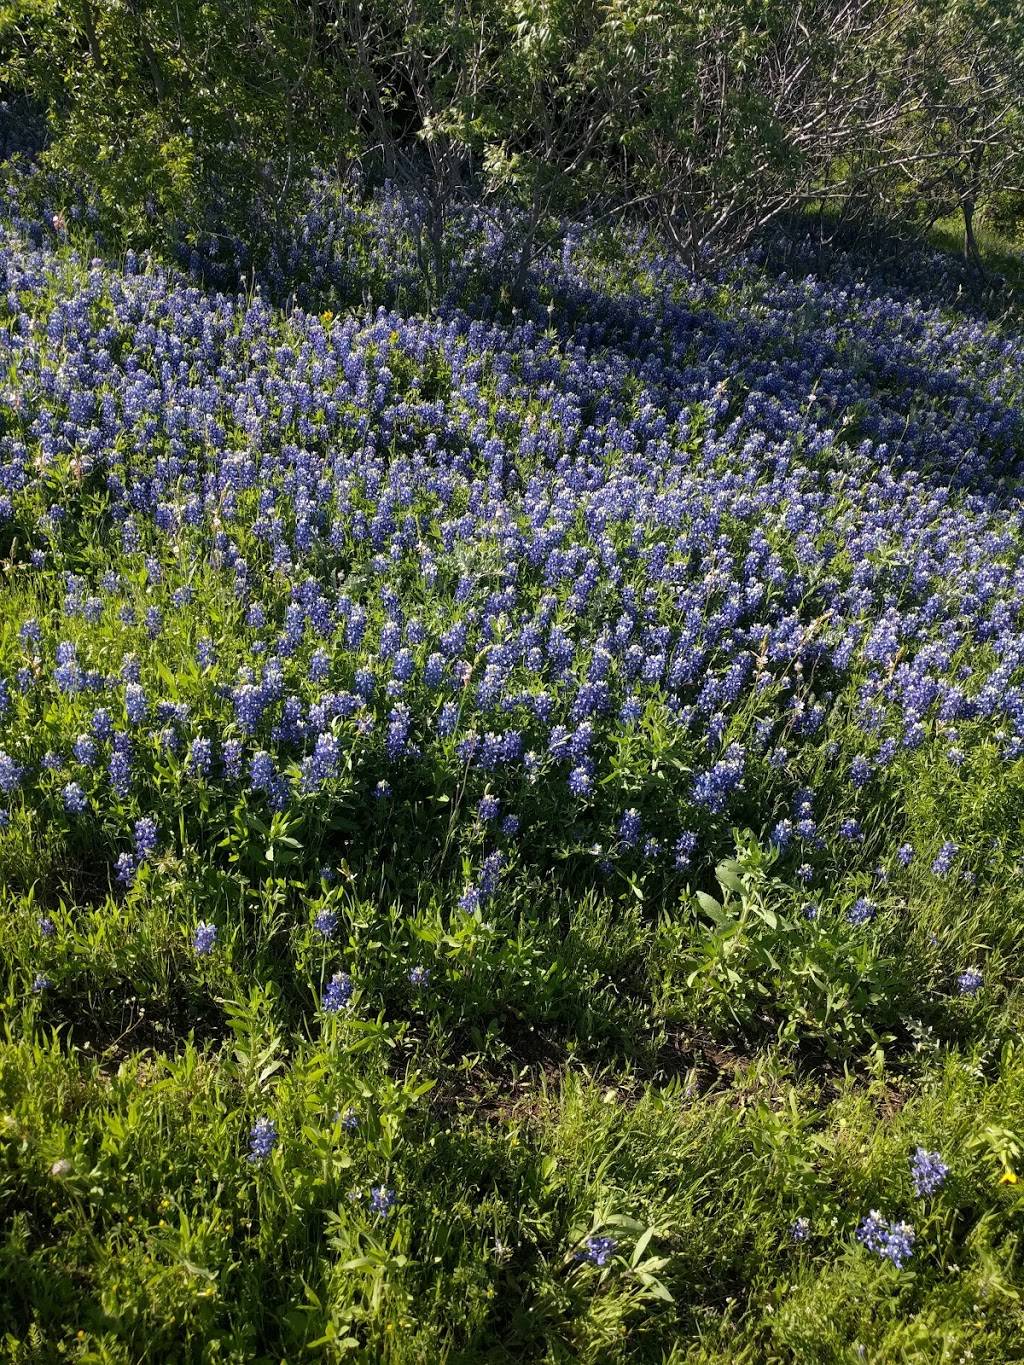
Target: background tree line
<point x="709" y="119"/>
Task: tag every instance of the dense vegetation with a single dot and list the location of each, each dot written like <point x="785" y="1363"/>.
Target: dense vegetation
<point x="511" y="682"/>
<point x="512" y="814"/>
<point x="712" y="121"/>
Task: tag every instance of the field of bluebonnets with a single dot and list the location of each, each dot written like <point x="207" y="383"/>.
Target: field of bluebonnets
<point x="512" y="817"/>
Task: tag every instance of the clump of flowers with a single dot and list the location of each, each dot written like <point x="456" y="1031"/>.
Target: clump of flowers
<point x="969" y="982"/>
<point x="929" y="1172"/>
<point x="262" y="1139"/>
<point x="944" y="859"/>
<point x="598" y="1250"/>
<point x="337" y="994"/>
<point x="382" y="1200"/>
<point x="325" y="923"/>
<point x="893" y="1241"/>
<point x="204" y="938"/>
<point x="862" y="911"/>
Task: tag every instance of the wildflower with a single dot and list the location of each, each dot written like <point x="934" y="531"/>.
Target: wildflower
<point x="10" y="773"/>
<point x="84" y="750"/>
<point x="944" y="859"/>
<point x="349" y="1120"/>
<point x="629" y="827"/>
<point x="325" y="923"/>
<point x="337" y="994"/>
<point x="928" y="1170"/>
<point x="124" y="869"/>
<point x="598" y="1250"/>
<point x="41" y="983"/>
<point x="74" y="798"/>
<point x="262" y="1139"/>
<point x="969" y="981"/>
<point x="382" y="1200"/>
<point x="800" y="1230"/>
<point x="861" y="911"/>
<point x="145" y="837"/>
<point x="860" y="771"/>
<point x="204" y="938"/>
<point x="419" y="977"/>
<point x="683" y="849"/>
<point x="890" y="1240"/>
<point x="488" y="808"/>
<point x="46" y="926"/>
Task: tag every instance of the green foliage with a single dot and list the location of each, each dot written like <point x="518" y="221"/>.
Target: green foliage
<point x="171" y="119"/>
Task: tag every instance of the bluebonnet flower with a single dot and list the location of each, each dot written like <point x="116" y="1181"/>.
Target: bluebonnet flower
<point x="860" y="771"/>
<point x="84" y="750"/>
<point x="350" y="1120"/>
<point x="120" y="770"/>
<point x="861" y="911"/>
<point x="325" y="923"/>
<point x="969" y="982"/>
<point x="200" y="757"/>
<point x="10" y="773"/>
<point x="782" y="834"/>
<point x="629" y="827"/>
<point x="470" y="900"/>
<point x="231" y="758"/>
<point x="944" y="859"/>
<point x="146" y="835"/>
<point x="510" y="825"/>
<point x="599" y="1250"/>
<point x="713" y="788"/>
<point x="891" y="1240"/>
<point x="262" y="1140"/>
<point x="488" y="808"/>
<point x="337" y="993"/>
<point x="74" y="798"/>
<point x="124" y="869"/>
<point x="929" y="1171"/>
<point x="580" y="781"/>
<point x="46" y="926"/>
<point x="382" y="790"/>
<point x="382" y="1200"/>
<point x="905" y="854"/>
<point x="800" y="1230"/>
<point x="683" y="848"/>
<point x="205" y="938"/>
<point x="102" y="723"/>
<point x="135" y="703"/>
<point x="490" y="872"/>
<point x="419" y="977"/>
<point x="41" y="983"/>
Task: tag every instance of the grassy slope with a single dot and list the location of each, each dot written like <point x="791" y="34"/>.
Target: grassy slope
<point x="134" y="1229"/>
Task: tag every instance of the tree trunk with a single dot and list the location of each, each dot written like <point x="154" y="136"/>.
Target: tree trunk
<point x="971" y="252"/>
